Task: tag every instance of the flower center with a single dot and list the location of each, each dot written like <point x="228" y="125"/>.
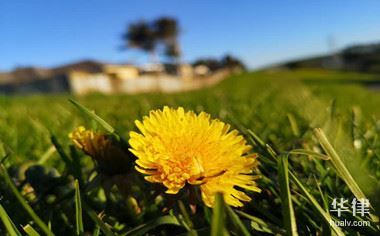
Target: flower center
<point x="175" y="172"/>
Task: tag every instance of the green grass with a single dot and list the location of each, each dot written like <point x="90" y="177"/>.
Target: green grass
<point x="277" y="111"/>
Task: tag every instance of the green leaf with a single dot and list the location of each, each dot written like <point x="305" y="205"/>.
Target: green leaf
<point x="266" y="147"/>
<point x="46" y="155"/>
<point x="96" y="231"/>
<point x="186" y="218"/>
<point x="261" y="225"/>
<point x="102" y="122"/>
<point x="237" y="222"/>
<point x="326" y="216"/>
<point x="92" y="214"/>
<point x="293" y="125"/>
<point x="29" y="230"/>
<point x="218" y="215"/>
<point x="62" y="154"/>
<point x="8" y="223"/>
<point x="256" y="138"/>
<point x="340" y="167"/>
<point x="309" y="153"/>
<point x="23" y="202"/>
<point x="286" y="198"/>
<point x="338" y="164"/>
<point x="76" y="165"/>
<point x="92" y="115"/>
<point x="144" y="228"/>
<point x="78" y="209"/>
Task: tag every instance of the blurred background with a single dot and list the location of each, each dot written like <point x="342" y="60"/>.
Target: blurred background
<point x="281" y="72"/>
<point x="130" y="39"/>
<point x="50" y="33"/>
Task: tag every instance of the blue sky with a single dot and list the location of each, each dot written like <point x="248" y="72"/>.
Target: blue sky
<point x="53" y="32"/>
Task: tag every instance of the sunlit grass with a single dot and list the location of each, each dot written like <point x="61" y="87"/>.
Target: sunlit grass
<point x="301" y="170"/>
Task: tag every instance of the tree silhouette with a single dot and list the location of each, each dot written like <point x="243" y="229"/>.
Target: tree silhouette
<point x="147" y="36"/>
<point x="167" y="31"/>
<point x="229" y="61"/>
<point x="166" y="28"/>
<point x="140" y="35"/>
<point x="173" y="51"/>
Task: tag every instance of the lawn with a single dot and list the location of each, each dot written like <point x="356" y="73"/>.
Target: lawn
<point x="302" y="168"/>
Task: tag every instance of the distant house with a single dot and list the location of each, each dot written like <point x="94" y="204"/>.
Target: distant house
<point x="32" y="80"/>
<point x="5" y="78"/>
<point x="201" y="70"/>
<point x="122" y="72"/>
<point x="104" y="81"/>
<point x="90" y="76"/>
<point x="152" y="69"/>
<point x="186" y="71"/>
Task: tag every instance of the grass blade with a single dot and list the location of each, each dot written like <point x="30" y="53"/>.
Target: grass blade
<point x="341" y="168"/>
<point x="71" y="164"/>
<point x="286" y="199"/>
<point x="23" y="202"/>
<point x="309" y="153"/>
<point x="76" y="168"/>
<point x="92" y="114"/>
<point x="338" y="164"/>
<point x="326" y="216"/>
<point x="62" y="154"/>
<point x="294" y="125"/>
<point x="144" y="228"/>
<point x="78" y="209"/>
<point x="46" y="155"/>
<point x="186" y="218"/>
<point x="8" y="223"/>
<point x="261" y="225"/>
<point x="29" y="230"/>
<point x="102" y="122"/>
<point x="217" y="222"/>
<point x="96" y="231"/>
<point x="237" y="222"/>
<point x="92" y="214"/>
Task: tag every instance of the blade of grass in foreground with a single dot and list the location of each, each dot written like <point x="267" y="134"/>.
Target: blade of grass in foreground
<point x="92" y="214"/>
<point x="78" y="209"/>
<point x="340" y="167"/>
<point x="261" y="225"/>
<point x="30" y="231"/>
<point x="237" y="222"/>
<point x="8" y="223"/>
<point x="91" y="114"/>
<point x="309" y="153"/>
<point x="102" y="122"/>
<point x="144" y="228"/>
<point x="23" y="202"/>
<point x="338" y="164"/>
<point x="306" y="193"/>
<point x="217" y="221"/>
<point x="294" y="125"/>
<point x="96" y="231"/>
<point x="186" y="218"/>
<point x="46" y="155"/>
<point x="62" y="154"/>
<point x="286" y="199"/>
<point x="316" y="205"/>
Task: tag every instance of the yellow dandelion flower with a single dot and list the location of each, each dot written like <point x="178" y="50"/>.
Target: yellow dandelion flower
<point x="176" y="148"/>
<point x="111" y="158"/>
<point x="92" y="143"/>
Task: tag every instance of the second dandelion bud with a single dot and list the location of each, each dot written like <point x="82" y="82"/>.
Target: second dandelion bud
<point x="176" y="148"/>
<point x="108" y="154"/>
